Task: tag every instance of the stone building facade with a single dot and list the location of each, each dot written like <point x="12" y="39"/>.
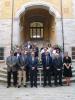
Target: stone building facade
<point x="45" y="16"/>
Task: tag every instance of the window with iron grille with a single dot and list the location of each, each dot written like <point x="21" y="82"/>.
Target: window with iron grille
<point x="1" y="53"/>
<point x="73" y="53"/>
<point x="36" y="30"/>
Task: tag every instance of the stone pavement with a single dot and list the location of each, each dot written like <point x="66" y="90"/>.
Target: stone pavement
<point x="40" y="93"/>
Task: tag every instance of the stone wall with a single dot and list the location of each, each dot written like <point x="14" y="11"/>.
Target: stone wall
<point x="68" y="22"/>
<point x="69" y="34"/>
<point x="5" y="35"/>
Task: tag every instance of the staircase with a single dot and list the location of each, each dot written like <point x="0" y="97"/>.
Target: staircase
<point x="3" y="76"/>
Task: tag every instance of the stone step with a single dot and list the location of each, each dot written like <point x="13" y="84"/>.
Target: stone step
<point x="2" y="70"/>
<point x="4" y="81"/>
<point x="5" y="69"/>
<point x="3" y="75"/>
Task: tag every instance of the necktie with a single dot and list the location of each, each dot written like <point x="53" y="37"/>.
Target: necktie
<point x="47" y="60"/>
<point x="11" y="59"/>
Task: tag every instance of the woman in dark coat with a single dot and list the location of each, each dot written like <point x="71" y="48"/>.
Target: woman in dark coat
<point x="67" y="68"/>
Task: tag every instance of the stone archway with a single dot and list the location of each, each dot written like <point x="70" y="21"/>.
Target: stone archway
<point x="51" y="11"/>
<point x="37" y="15"/>
<point x="40" y="4"/>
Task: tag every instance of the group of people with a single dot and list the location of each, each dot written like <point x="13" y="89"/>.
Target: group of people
<point x="23" y="64"/>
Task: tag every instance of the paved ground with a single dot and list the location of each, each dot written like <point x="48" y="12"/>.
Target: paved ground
<point x="40" y="93"/>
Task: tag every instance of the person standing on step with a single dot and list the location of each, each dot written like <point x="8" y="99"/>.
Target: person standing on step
<point x="67" y="68"/>
<point x="27" y="67"/>
<point x="47" y="64"/>
<point x="11" y="62"/>
<point x="22" y="63"/>
<point x="57" y="65"/>
<point x="17" y="53"/>
<point x="28" y="45"/>
<point x="36" y="50"/>
<point x="33" y="63"/>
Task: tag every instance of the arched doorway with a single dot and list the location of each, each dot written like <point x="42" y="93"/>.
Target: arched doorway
<point x="37" y="25"/>
<point x="37" y="12"/>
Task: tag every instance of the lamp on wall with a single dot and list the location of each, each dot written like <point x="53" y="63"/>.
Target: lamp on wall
<point x="62" y="24"/>
<point x="12" y="15"/>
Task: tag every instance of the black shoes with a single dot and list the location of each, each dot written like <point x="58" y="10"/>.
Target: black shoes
<point x="31" y="86"/>
<point x="47" y="85"/>
<point x="58" y="85"/>
<point x="19" y="86"/>
<point x="50" y="85"/>
<point x="25" y="86"/>
<point x="15" y="86"/>
<point x="8" y="86"/>
<point x="61" y="84"/>
<point x="34" y="86"/>
<point x="44" y="85"/>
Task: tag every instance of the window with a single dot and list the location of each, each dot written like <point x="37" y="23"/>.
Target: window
<point x="36" y="30"/>
<point x="73" y="53"/>
<point x="1" y="53"/>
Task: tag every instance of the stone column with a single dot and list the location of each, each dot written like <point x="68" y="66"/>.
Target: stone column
<point x="16" y="32"/>
<point x="59" y="39"/>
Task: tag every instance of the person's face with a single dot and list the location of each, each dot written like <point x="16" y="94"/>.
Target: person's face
<point x="57" y="55"/>
<point x="32" y="54"/>
<point x="11" y="53"/>
<point x="22" y="52"/>
<point x="66" y="54"/>
<point x="49" y="45"/>
<point x="25" y="52"/>
<point x="35" y="44"/>
<point x="18" y="50"/>
<point x="58" y="51"/>
<point x="47" y="52"/>
<point x="28" y="42"/>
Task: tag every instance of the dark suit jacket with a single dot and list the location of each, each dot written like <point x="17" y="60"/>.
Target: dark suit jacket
<point x="36" y="52"/>
<point x="15" y="54"/>
<point x="46" y="63"/>
<point x="32" y="63"/>
<point x="29" y="47"/>
<point x="57" y="63"/>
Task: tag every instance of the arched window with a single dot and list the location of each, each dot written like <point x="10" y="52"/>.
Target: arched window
<point x="36" y="30"/>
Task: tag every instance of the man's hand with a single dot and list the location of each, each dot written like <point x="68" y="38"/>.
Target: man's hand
<point x="68" y="66"/>
<point x="33" y="68"/>
<point x="58" y="69"/>
<point x="11" y="65"/>
<point x="47" y="68"/>
<point x="22" y="67"/>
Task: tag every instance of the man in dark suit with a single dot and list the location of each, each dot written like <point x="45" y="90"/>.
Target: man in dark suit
<point x="17" y="53"/>
<point x="28" y="45"/>
<point x="11" y="62"/>
<point x="57" y="65"/>
<point x="36" y="50"/>
<point x="27" y="67"/>
<point x="47" y="64"/>
<point x="33" y="63"/>
<point x="22" y="63"/>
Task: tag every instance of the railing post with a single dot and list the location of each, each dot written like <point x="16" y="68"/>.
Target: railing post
<point x="12" y="25"/>
<point x="62" y="24"/>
